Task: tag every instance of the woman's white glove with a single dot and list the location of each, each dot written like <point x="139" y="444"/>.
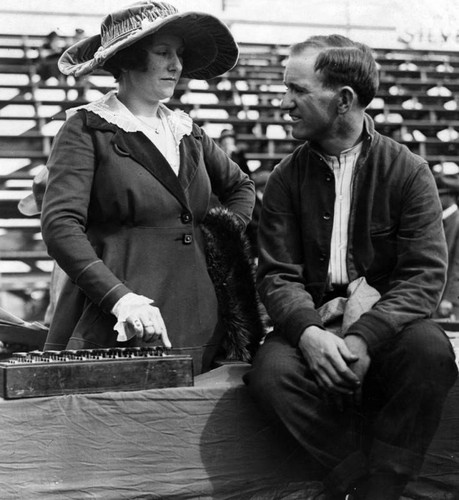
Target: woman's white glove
<point x="138" y="317"/>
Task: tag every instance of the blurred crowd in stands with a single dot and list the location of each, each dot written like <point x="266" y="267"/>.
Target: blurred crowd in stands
<point x="446" y="173"/>
<point x="52" y="48"/>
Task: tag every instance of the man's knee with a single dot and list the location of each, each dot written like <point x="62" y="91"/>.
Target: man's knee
<point x="428" y="353"/>
<point x="276" y="371"/>
<point x="267" y="375"/>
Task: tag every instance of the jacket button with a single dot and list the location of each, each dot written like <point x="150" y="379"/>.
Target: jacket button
<point x="328" y="178"/>
<point x="120" y="150"/>
<point x="327" y="216"/>
<point x="187" y="239"/>
<point x="186" y="217"/>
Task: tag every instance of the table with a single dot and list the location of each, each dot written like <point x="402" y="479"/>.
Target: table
<point x="208" y="442"/>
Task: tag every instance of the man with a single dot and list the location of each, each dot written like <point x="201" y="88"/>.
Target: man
<point x="349" y="205"/>
<point x="447" y="178"/>
<point x="227" y="142"/>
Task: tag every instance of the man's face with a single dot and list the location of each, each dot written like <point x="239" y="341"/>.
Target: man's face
<point x="312" y="108"/>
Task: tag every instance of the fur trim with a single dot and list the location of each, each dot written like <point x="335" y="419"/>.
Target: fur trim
<point x="233" y="274"/>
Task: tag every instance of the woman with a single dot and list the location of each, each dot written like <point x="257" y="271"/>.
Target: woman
<point x="130" y="183"/>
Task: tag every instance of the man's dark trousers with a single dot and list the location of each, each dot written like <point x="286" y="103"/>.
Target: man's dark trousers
<point x="403" y="396"/>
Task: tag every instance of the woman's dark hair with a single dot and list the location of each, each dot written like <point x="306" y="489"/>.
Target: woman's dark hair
<point x="133" y="57"/>
<point x="344" y="62"/>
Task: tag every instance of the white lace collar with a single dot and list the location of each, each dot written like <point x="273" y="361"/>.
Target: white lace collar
<point x="114" y="111"/>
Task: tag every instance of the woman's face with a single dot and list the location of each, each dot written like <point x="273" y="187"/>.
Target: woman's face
<point x="164" y="67"/>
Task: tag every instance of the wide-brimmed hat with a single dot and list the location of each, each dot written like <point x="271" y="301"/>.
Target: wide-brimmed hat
<point x="446" y="177"/>
<point x="31" y="204"/>
<point x="210" y="49"/>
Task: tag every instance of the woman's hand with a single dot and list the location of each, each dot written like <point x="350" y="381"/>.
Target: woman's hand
<point x="137" y="314"/>
<point x="145" y="321"/>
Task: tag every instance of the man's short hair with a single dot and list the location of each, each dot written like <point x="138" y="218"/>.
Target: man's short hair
<point x="342" y="61"/>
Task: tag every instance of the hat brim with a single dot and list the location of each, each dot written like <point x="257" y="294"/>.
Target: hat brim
<point x="210" y="49"/>
<point x="28" y="206"/>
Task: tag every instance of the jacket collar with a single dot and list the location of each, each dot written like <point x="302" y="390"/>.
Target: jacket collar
<point x="143" y="151"/>
<point x="368" y="127"/>
<point x="111" y="109"/>
<point x="367" y="135"/>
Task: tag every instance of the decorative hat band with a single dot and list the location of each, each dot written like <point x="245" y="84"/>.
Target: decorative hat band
<point x="112" y="30"/>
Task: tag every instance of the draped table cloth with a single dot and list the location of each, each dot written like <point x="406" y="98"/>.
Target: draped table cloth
<point x="208" y="442"/>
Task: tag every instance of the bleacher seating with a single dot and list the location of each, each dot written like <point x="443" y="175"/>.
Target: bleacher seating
<point x="417" y="105"/>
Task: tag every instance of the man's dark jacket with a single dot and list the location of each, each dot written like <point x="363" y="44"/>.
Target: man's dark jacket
<point x="451" y="292"/>
<point x="395" y="239"/>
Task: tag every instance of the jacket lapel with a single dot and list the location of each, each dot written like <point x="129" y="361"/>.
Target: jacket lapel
<point x="189" y="158"/>
<point x="144" y="152"/>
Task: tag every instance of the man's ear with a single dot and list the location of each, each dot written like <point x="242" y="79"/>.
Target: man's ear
<point x="346" y="98"/>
